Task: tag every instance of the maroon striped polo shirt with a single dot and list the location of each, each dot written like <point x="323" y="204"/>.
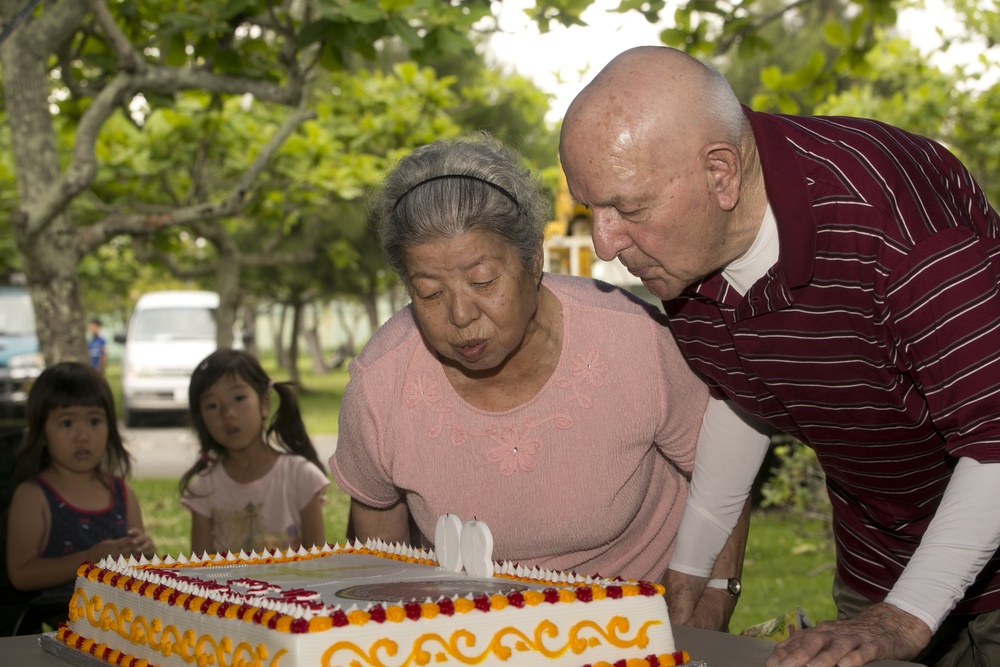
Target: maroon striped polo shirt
<point x="876" y="336"/>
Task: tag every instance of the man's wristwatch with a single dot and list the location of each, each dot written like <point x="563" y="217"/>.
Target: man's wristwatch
<point x="731" y="585"/>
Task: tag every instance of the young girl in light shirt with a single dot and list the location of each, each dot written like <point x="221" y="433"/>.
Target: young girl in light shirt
<point x="258" y="483"/>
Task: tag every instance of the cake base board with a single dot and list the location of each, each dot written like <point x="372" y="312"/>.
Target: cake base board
<point x="49" y="643"/>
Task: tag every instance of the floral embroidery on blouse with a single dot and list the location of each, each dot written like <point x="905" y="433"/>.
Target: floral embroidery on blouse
<point x="515" y="446"/>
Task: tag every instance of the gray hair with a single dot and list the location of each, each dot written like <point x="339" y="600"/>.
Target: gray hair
<point x="451" y="187"/>
<point x="722" y="105"/>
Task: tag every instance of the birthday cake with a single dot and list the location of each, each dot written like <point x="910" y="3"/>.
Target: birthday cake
<point x="360" y="605"/>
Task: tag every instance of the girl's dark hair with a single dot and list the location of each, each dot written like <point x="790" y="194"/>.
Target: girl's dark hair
<point x="68" y="384"/>
<point x="286" y="430"/>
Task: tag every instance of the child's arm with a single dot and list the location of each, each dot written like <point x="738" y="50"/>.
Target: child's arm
<point x="27" y="532"/>
<point x="391" y="524"/>
<point x="311" y="517"/>
<point x="201" y="533"/>
<point x="141" y="542"/>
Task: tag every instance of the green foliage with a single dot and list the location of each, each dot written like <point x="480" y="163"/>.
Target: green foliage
<point x="902" y="88"/>
<point x="788" y="564"/>
<point x="797" y="484"/>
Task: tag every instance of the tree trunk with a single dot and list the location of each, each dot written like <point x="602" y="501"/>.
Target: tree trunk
<point x="311" y="335"/>
<point x="228" y="287"/>
<point x="278" y="335"/>
<point x="250" y="327"/>
<point x="371" y="307"/>
<point x="350" y="343"/>
<point x="50" y="255"/>
<point x="293" y="344"/>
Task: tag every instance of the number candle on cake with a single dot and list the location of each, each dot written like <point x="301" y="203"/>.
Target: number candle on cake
<point x="448" y="542"/>
<point x="477" y="549"/>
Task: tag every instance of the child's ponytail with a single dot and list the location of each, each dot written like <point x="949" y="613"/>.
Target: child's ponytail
<point x="287" y="427"/>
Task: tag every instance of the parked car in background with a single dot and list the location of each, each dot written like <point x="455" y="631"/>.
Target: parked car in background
<point x="20" y="359"/>
<point x="168" y="334"/>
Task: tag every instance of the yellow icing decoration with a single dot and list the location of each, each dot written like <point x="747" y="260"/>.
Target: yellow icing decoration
<point x="460" y="646"/>
<point x="166" y="640"/>
<point x="429" y="610"/>
<point x="498" y="602"/>
<point x="464" y="605"/>
<point x="533" y="598"/>
<point x="395" y="614"/>
<point x="358" y="617"/>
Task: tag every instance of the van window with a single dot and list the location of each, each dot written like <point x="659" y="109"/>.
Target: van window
<point x="163" y="324"/>
<point x="17" y="317"/>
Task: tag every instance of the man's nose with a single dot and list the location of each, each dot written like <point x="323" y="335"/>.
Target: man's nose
<point x="609" y="236"/>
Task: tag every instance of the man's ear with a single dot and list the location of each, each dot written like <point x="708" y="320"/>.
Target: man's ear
<point x="724" y="169"/>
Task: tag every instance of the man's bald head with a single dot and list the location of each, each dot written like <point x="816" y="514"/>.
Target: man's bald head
<point x="660" y="150"/>
<point x="655" y="93"/>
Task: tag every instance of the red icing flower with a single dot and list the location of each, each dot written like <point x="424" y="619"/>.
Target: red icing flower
<point x="678" y="657"/>
<point x="647" y="589"/>
<point x="515" y="599"/>
<point x="614" y="592"/>
<point x="584" y="594"/>
<point x="551" y="595"/>
<point x="482" y="603"/>
<point x="447" y="607"/>
<point x="620" y="663"/>
<point x="412" y="610"/>
<point x="653" y="660"/>
<point x="377" y="614"/>
<point x="300" y="626"/>
<point x="339" y="619"/>
<point x="221" y="611"/>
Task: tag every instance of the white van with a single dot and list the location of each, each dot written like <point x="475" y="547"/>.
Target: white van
<point x="167" y="335"/>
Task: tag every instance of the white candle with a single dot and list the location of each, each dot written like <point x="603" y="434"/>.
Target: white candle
<point x="448" y="542"/>
<point x="477" y="549"/>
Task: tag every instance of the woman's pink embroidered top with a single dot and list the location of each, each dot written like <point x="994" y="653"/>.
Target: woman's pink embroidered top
<point x="588" y="476"/>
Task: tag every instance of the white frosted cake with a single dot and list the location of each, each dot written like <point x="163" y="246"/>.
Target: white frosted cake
<point x="372" y="605"/>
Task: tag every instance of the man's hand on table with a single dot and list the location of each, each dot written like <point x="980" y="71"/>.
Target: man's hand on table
<point x="881" y="632"/>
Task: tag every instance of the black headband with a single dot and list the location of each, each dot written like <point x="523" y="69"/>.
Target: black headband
<point x="470" y="177"/>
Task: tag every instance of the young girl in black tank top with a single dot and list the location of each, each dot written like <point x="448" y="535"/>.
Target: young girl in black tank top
<point x="72" y="503"/>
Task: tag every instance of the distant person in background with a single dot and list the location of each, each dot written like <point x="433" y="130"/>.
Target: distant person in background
<point x="97" y="346"/>
<point x="515" y="396"/>
<point x="72" y="503"/>
<point x="259" y="483"/>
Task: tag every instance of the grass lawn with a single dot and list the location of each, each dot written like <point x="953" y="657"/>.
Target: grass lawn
<point x="787" y="564"/>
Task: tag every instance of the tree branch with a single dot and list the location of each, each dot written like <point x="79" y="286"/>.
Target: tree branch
<point x="52" y="26"/>
<point x="235" y="201"/>
<point x="128" y="58"/>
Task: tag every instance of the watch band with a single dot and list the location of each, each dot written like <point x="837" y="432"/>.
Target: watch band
<point x="733" y="586"/>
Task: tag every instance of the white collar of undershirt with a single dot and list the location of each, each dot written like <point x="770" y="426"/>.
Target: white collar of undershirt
<point x="752" y="265"/>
